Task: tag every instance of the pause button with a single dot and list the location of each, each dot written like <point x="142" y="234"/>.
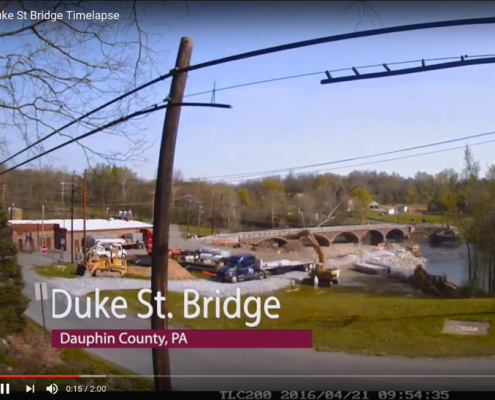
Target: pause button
<point x="4" y="388"/>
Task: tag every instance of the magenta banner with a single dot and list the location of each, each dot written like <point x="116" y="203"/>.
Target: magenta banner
<point x="192" y="339"/>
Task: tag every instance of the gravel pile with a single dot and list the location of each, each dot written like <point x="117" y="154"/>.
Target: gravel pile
<point x="86" y="285"/>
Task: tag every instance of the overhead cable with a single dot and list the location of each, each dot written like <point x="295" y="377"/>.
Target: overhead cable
<point x="274" y="171"/>
<point x="265" y="51"/>
<point x="371" y="162"/>
<point x="113" y="123"/>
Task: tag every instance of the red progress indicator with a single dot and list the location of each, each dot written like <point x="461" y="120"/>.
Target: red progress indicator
<point x="40" y="376"/>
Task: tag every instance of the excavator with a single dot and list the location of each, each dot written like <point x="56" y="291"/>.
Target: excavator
<point x="324" y="275"/>
<point x="434" y="285"/>
<point x="112" y="266"/>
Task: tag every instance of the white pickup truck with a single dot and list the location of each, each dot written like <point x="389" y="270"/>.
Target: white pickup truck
<point x="103" y="248"/>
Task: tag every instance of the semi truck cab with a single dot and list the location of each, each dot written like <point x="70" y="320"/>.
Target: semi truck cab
<point x="238" y="268"/>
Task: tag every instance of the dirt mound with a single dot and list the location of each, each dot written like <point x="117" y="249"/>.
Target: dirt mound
<point x="293" y="246"/>
<point x="176" y="271"/>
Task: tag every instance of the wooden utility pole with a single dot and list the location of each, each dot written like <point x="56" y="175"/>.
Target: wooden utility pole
<point x="213" y="214"/>
<point x="4" y="188"/>
<point x="220" y="223"/>
<point x="72" y="218"/>
<point x="84" y="215"/>
<point x="161" y="222"/>
<point x="63" y="192"/>
<point x="42" y="226"/>
<point x="200" y="211"/>
<point x="188" y="214"/>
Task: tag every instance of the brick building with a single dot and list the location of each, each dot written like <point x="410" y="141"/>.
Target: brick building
<point x="55" y="234"/>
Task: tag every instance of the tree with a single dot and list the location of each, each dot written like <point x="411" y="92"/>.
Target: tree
<point x="13" y="303"/>
<point x="53" y="72"/>
<point x="472" y="167"/>
<point x="362" y="199"/>
<point x="243" y="196"/>
<point x="412" y="195"/>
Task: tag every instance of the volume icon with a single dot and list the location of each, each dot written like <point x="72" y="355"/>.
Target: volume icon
<point x="53" y="389"/>
<point x="4" y="388"/>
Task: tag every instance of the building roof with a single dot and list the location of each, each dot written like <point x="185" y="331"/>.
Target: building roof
<point x="91" y="224"/>
<point x="374" y="203"/>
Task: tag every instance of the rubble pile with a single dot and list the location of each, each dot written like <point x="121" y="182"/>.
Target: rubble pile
<point x="402" y="262"/>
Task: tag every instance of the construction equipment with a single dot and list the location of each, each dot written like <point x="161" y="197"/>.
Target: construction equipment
<point x="325" y="275"/>
<point x="109" y="266"/>
<point x="435" y="285"/>
<point x="415" y="250"/>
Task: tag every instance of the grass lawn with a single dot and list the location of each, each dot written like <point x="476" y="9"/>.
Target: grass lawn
<point x="52" y="271"/>
<point x="30" y="354"/>
<point x="194" y="230"/>
<point x="354" y="321"/>
<point x="406" y="218"/>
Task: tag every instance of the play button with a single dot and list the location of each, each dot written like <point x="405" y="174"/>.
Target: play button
<point x="29" y="388"/>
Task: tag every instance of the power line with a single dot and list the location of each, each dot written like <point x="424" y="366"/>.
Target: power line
<point x="273" y="171"/>
<point x="391" y="159"/>
<point x="307" y="74"/>
<point x="148" y="110"/>
<point x="103" y="106"/>
<point x="265" y="51"/>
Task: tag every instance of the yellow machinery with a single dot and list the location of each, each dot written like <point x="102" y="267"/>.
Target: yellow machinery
<point x="324" y="274"/>
<point x="111" y="267"/>
<point x="432" y="284"/>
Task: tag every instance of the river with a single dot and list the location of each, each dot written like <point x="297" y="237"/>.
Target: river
<point x="446" y="259"/>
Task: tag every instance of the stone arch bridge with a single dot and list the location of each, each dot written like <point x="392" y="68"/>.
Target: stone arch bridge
<point x="325" y="236"/>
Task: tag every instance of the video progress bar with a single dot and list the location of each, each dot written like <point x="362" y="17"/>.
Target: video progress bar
<point x="53" y="376"/>
<point x="309" y="376"/>
<point x="263" y="376"/>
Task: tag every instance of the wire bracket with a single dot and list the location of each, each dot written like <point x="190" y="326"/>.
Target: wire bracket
<point x="213" y="93"/>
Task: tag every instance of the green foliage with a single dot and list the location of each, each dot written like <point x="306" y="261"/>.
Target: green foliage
<point x="272" y="185"/>
<point x="243" y="196"/>
<point x="412" y="195"/>
<point x="13" y="303"/>
<point x="362" y="198"/>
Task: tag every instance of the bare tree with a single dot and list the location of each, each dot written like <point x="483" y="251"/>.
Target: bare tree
<point x="54" y="71"/>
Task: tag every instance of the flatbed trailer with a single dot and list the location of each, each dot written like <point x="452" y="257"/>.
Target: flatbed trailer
<point x="282" y="266"/>
<point x="204" y="268"/>
<point x="244" y="267"/>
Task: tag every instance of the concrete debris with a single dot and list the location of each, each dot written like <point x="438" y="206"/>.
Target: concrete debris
<point x="86" y="285"/>
<point x="402" y="262"/>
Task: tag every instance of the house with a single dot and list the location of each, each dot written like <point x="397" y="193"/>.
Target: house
<point x="402" y="208"/>
<point x="374" y="205"/>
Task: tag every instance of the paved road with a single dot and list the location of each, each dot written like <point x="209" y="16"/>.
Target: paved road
<point x="248" y="369"/>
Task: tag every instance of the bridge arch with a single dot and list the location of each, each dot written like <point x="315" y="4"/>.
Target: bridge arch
<point x="279" y="241"/>
<point x="346" y="237"/>
<point x="373" y="237"/>
<point x="395" y="234"/>
<point x="322" y="240"/>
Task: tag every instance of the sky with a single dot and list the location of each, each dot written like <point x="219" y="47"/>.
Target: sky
<point x="295" y="122"/>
